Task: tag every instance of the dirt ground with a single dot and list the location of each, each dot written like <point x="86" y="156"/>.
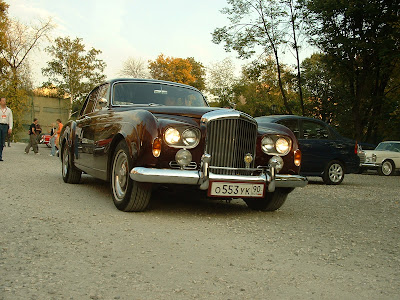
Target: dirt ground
<point x="61" y="241"/>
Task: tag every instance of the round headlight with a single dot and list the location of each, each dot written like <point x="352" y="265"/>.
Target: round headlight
<point x="189" y="137"/>
<point x="282" y="146"/>
<point x="172" y="136"/>
<point x="267" y="144"/>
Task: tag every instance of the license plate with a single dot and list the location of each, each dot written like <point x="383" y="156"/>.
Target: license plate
<point x="235" y="189"/>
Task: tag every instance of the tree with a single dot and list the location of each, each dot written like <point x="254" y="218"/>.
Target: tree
<point x="73" y="70"/>
<point x="258" y="92"/>
<point x="294" y="24"/>
<point x="135" y="68"/>
<point x="256" y="23"/>
<point x="361" y="38"/>
<point x="181" y="70"/>
<point x="320" y="89"/>
<point x="19" y="40"/>
<point x="4" y="21"/>
<point x="221" y="80"/>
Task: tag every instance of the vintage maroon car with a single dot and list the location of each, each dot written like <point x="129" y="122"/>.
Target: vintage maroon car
<point x="138" y="133"/>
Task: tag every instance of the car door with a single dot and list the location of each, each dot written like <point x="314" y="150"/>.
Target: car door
<point x="316" y="146"/>
<point x="85" y="132"/>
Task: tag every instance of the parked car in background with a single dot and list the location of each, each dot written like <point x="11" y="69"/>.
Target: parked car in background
<point x="45" y="139"/>
<point x="325" y="152"/>
<point x="385" y="158"/>
<point x="138" y="133"/>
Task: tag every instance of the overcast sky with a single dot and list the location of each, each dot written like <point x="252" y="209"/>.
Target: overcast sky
<point x="130" y="28"/>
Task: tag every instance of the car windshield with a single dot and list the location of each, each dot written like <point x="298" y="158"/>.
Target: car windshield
<point x="388" y="147"/>
<point x="140" y="93"/>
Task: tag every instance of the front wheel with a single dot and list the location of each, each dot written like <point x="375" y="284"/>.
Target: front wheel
<point x="386" y="169"/>
<point x="271" y="201"/>
<point x="128" y="195"/>
<point x="334" y="173"/>
<point x="70" y="174"/>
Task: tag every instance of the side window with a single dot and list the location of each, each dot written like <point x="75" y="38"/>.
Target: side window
<point x="90" y="102"/>
<point x="102" y="94"/>
<point x="293" y="125"/>
<point x="314" y="130"/>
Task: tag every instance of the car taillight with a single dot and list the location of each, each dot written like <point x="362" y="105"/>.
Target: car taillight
<point x="356" y="150"/>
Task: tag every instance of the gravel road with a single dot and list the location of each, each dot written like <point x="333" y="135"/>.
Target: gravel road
<point x="60" y="241"/>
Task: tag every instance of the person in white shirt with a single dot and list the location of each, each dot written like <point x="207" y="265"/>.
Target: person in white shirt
<point x="6" y="124"/>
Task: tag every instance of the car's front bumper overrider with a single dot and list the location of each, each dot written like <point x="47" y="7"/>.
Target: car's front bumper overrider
<point x="203" y="177"/>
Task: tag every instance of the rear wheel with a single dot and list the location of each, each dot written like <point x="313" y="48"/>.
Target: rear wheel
<point x="334" y="173"/>
<point x="128" y="195"/>
<point x="271" y="201"/>
<point x="387" y="168"/>
<point x="70" y="174"/>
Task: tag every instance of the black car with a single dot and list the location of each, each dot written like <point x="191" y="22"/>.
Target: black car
<point x="325" y="152"/>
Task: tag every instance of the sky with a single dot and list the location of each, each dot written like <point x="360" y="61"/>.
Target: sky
<point x="130" y="28"/>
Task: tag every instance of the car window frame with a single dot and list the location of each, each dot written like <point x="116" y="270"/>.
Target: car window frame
<point x="318" y="123"/>
<point x="292" y="119"/>
<point x="112" y="86"/>
<point x="96" y="99"/>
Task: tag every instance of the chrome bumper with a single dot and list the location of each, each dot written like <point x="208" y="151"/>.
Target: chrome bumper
<point x="371" y="165"/>
<point x="203" y="177"/>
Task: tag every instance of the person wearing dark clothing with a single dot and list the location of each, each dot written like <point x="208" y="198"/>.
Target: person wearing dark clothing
<point x="38" y="131"/>
<point x="32" y="138"/>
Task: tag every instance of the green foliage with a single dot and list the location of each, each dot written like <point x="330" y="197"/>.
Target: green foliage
<point x="3" y="24"/>
<point x="361" y="39"/>
<point x="73" y="70"/>
<point x="256" y="24"/>
<point x="258" y="91"/>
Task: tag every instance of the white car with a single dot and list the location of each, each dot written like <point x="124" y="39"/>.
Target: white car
<point x="385" y="158"/>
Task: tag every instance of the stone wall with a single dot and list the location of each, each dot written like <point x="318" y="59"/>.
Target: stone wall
<point x="47" y="110"/>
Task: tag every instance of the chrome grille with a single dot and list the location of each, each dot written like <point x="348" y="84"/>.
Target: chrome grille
<point x="228" y="141"/>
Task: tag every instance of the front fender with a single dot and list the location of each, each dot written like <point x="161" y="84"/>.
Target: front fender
<point x="139" y="128"/>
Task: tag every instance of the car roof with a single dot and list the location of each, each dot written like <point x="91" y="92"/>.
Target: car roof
<point x="143" y="80"/>
<point x="273" y="118"/>
<point x="394" y="142"/>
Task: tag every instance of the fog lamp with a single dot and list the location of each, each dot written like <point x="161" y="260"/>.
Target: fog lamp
<point x="276" y="162"/>
<point x="183" y="157"/>
<point x="297" y="158"/>
<point x="157" y="147"/>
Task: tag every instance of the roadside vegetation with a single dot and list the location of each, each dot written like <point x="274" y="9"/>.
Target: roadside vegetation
<point x="337" y="61"/>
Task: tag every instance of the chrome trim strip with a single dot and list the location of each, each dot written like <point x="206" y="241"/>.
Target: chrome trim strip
<point x="370" y="165"/>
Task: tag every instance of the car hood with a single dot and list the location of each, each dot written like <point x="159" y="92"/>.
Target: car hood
<point x="181" y="111"/>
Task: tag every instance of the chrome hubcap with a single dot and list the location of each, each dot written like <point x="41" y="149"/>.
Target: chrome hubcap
<point x="120" y="175"/>
<point x="386" y="168"/>
<point x="335" y="173"/>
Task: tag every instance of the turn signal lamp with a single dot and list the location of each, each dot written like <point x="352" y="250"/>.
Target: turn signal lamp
<point x="157" y="147"/>
<point x="297" y="158"/>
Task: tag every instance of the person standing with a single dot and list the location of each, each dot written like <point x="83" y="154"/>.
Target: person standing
<point x="6" y="124"/>
<point x="32" y="138"/>
<point x="59" y="128"/>
<point x="53" y="135"/>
